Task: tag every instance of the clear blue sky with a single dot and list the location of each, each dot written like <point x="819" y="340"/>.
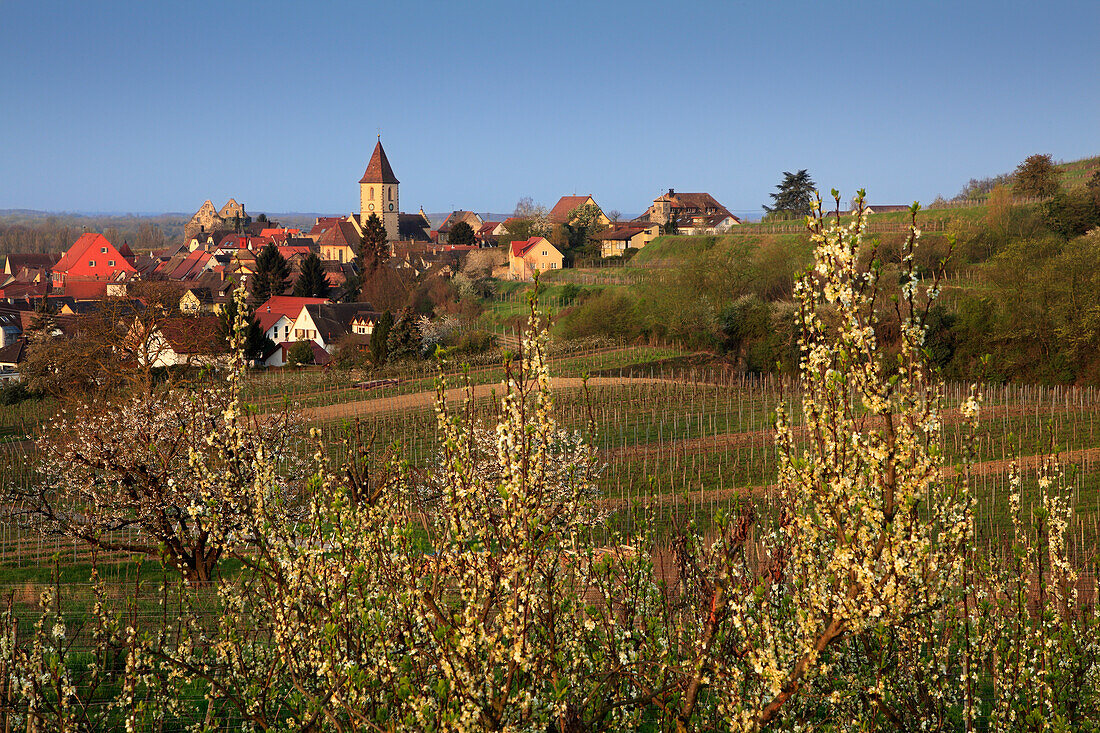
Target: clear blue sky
<point x="156" y="106"/>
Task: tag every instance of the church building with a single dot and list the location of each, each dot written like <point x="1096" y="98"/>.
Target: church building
<point x="378" y="194"/>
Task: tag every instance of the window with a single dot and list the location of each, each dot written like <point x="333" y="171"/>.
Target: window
<point x="110" y="263"/>
<point x="553" y="265"/>
<point x="103" y="250"/>
<point x="391" y="193"/>
<point x="544" y="253"/>
<point x="372" y="191"/>
<point x="91" y="263"/>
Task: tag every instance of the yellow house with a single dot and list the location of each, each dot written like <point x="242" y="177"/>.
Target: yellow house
<point x="566" y="205"/>
<point x="338" y="242"/>
<point x="614" y="242"/>
<point x="536" y="253"/>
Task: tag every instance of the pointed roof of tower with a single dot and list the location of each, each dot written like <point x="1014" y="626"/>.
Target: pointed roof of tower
<point x="378" y="170"/>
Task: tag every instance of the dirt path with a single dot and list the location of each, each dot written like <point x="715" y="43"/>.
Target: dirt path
<point x="421" y="400"/>
<point x="985" y="468"/>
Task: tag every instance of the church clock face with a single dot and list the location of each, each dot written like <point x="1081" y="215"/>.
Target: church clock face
<point x="371" y="207"/>
<point x="391" y="207"/>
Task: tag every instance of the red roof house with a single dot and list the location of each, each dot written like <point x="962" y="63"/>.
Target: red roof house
<point x="92" y="257"/>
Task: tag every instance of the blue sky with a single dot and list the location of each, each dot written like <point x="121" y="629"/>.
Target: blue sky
<point x="154" y="106"/>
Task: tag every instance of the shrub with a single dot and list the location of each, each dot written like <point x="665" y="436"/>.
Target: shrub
<point x="300" y="353"/>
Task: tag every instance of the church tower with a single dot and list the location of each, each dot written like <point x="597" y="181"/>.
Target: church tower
<point x="378" y="193"/>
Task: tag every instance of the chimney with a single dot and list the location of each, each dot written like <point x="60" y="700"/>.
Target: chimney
<point x="671" y="192"/>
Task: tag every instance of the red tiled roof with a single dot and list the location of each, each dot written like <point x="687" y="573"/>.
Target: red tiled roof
<point x="85" y="289"/>
<point x="560" y="212"/>
<point x="191" y="266"/>
<point x="340" y="234"/>
<point x="324" y="223"/>
<point x="75" y="257"/>
<point x="379" y="170"/>
<point x="24" y="289"/>
<point x="294" y="250"/>
<point x="287" y="305"/>
<point x="520" y="248"/>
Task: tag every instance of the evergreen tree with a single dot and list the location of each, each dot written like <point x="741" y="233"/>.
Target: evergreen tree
<point x="373" y="245"/>
<point x="256" y="342"/>
<point x="379" y="338"/>
<point x="311" y="281"/>
<point x="404" y="338"/>
<point x="352" y="287"/>
<point x="793" y="197"/>
<point x="461" y="233"/>
<point x="272" y="274"/>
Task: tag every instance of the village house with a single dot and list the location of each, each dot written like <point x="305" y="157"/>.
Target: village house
<point x="11" y="356"/>
<point x="181" y="341"/>
<point x="564" y="211"/>
<point x="92" y="259"/>
<point x="327" y="324"/>
<point x="339" y="241"/>
<point x="689" y="213"/>
<point x="490" y="232"/>
<point x="28" y="267"/>
<point x="468" y="217"/>
<point x="615" y="241"/>
<point x="536" y="254"/>
<point x="279" y="312"/>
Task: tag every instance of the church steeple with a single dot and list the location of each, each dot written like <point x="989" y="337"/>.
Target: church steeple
<point x="378" y="189"/>
<point x="379" y="170"/>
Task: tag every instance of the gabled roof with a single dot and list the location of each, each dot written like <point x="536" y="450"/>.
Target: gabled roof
<point x="340" y="234"/>
<point x="191" y="266"/>
<point x="193" y="334"/>
<point x="287" y="305"/>
<point x="460" y="215"/>
<point x="13" y="353"/>
<point x="619" y="233"/>
<point x="519" y="249"/>
<point x="378" y="170"/>
<point x="701" y="201"/>
<point x="30" y="260"/>
<point x="333" y="321"/>
<point x="560" y="213"/>
<point x="85" y="242"/>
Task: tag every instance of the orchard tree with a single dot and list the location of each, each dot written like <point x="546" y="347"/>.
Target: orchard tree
<point x="793" y="197"/>
<point x="145" y="476"/>
<point x="311" y="282"/>
<point x="1036" y="176"/>
<point x="272" y="273"/>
